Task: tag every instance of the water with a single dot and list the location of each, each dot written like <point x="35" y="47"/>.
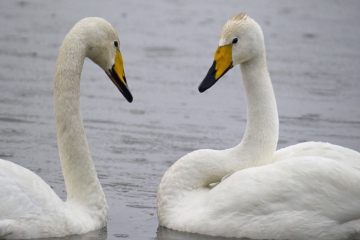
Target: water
<point x="313" y="54"/>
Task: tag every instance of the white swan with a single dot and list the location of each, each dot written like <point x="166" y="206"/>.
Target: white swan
<point x="29" y="208"/>
<point x="306" y="191"/>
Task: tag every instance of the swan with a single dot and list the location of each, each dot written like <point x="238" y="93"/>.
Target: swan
<point x="29" y="208"/>
<point x="306" y="191"/>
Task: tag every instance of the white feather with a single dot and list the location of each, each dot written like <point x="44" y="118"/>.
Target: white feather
<point x="29" y="207"/>
<point x="306" y="191"/>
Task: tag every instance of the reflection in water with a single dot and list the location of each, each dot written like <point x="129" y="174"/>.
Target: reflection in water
<point x="168" y="234"/>
<point x="100" y="234"/>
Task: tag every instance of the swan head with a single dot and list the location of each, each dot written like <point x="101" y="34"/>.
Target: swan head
<point x="103" y="48"/>
<point x="241" y="40"/>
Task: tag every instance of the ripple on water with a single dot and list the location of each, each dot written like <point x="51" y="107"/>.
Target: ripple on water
<point x="121" y="235"/>
<point x="14" y="120"/>
<point x="155" y="52"/>
<point x="6" y="155"/>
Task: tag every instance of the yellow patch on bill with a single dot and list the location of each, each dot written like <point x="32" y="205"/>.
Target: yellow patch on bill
<point x="119" y="67"/>
<point x="223" y="60"/>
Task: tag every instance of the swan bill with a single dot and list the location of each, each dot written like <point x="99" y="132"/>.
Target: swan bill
<point x="222" y="63"/>
<point x="117" y="76"/>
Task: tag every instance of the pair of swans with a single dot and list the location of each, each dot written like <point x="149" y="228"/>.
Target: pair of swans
<point x="309" y="190"/>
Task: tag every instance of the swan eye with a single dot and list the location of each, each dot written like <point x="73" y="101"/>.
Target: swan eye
<point x="116" y="44"/>
<point x="235" y="40"/>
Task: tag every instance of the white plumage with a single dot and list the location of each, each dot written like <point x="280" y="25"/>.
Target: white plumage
<point x="306" y="191"/>
<point x="29" y="208"/>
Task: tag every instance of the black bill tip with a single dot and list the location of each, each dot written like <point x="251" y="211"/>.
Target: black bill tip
<point x="125" y="91"/>
<point x="209" y="79"/>
<point x="123" y="88"/>
<point x="127" y="94"/>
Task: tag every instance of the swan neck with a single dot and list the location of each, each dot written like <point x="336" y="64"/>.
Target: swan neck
<point x="78" y="169"/>
<point x="262" y="129"/>
<point x="192" y="174"/>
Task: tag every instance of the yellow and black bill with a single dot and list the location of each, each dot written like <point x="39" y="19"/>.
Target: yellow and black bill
<point x="117" y="76"/>
<point x="222" y="63"/>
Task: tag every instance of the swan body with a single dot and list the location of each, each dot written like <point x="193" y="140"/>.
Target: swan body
<point x="305" y="191"/>
<point x="29" y="207"/>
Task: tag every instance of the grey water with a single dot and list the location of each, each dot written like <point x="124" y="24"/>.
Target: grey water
<point x="313" y="53"/>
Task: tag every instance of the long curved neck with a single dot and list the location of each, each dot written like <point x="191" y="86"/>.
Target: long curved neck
<point x="200" y="168"/>
<point x="78" y="169"/>
<point x="262" y="129"/>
